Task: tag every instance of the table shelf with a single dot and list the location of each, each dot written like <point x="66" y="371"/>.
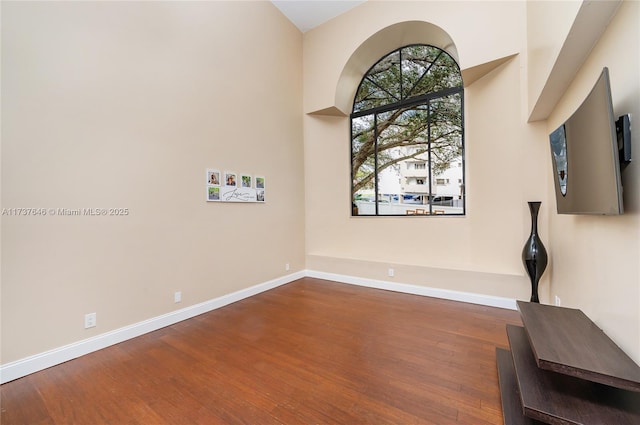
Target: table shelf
<point x="563" y="369"/>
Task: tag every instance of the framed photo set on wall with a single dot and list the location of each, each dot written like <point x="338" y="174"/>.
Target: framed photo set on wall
<point x="229" y="186"/>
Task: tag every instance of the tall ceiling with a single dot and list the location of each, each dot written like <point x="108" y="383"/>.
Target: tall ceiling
<point x="308" y="14"/>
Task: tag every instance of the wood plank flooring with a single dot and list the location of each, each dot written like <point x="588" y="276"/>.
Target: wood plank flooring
<point x="309" y="352"/>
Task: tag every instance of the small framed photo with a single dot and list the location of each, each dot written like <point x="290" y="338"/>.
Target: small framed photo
<point x="246" y="180"/>
<point x="260" y="183"/>
<point x="259" y="195"/>
<point x="213" y="193"/>
<point x="213" y="177"/>
<point x="230" y="179"/>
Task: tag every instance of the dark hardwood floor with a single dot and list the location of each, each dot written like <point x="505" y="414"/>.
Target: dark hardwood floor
<point x="309" y="352"/>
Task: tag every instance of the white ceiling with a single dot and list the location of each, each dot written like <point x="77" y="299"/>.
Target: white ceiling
<point x="308" y="14"/>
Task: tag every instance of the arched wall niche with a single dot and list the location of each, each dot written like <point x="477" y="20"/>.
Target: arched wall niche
<point x="375" y="47"/>
<point x="387" y="40"/>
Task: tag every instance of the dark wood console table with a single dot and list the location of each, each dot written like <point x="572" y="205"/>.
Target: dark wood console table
<point x="563" y="369"/>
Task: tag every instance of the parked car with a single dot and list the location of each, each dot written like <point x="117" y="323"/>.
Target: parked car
<point x="442" y="200"/>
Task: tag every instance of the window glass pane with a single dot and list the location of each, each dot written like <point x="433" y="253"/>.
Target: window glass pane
<point x="363" y="165"/>
<point x="446" y="155"/>
<point x="402" y="143"/>
<point x="427" y="69"/>
<point x="416" y="62"/>
<point x="381" y="86"/>
<point x="446" y="72"/>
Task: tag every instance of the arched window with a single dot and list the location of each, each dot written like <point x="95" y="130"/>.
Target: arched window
<point x="407" y="150"/>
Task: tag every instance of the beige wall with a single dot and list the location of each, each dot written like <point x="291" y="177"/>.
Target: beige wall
<point x="560" y="37"/>
<point x="593" y="261"/>
<point x="124" y="104"/>
<point x="596" y="260"/>
<point x="548" y="24"/>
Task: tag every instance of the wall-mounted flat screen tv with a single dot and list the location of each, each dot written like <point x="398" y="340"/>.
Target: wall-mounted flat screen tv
<point x="584" y="152"/>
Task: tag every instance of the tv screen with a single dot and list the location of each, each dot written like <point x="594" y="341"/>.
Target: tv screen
<point x="584" y="152"/>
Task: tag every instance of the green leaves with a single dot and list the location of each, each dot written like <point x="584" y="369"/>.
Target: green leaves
<point x="407" y="73"/>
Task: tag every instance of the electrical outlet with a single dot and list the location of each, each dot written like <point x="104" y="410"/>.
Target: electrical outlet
<point x="177" y="297"/>
<point x="89" y="320"/>
<point x="557" y="300"/>
<point x="286" y="267"/>
<point x="391" y="272"/>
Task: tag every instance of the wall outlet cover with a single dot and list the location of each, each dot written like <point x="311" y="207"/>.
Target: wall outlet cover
<point x="90" y="320"/>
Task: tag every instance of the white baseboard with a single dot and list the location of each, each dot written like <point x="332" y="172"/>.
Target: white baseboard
<point x="467" y="297"/>
<point x="28" y="365"/>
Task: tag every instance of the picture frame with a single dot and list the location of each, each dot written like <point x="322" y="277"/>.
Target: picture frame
<point x="230" y="179"/>
<point x="246" y="180"/>
<point x="213" y="177"/>
<point x="213" y="193"/>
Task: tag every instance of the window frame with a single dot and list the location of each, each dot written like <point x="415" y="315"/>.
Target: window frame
<point x="421" y="100"/>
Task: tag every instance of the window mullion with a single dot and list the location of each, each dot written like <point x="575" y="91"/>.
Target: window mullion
<point x="430" y="196"/>
<point x="408" y="102"/>
<point x="401" y="73"/>
<point x="375" y="162"/>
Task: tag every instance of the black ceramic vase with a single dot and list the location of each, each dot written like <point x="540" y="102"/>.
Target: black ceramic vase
<point x="534" y="256"/>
